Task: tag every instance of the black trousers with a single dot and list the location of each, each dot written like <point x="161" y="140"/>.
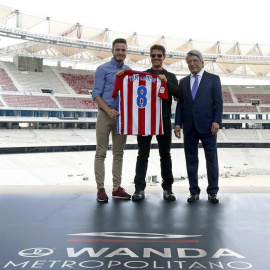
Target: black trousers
<point x="164" y="146"/>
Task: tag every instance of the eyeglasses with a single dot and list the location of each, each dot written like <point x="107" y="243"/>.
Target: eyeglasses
<point x="159" y="55"/>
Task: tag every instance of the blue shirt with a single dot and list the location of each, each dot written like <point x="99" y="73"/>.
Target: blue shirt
<point x="104" y="82"/>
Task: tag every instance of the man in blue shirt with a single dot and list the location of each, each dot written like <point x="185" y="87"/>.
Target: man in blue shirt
<point x="107" y="122"/>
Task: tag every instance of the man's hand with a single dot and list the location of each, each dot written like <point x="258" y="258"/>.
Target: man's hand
<point x="177" y="132"/>
<point x="215" y="128"/>
<point x="105" y="107"/>
<point x="162" y="77"/>
<point x="119" y="73"/>
<point x="112" y="112"/>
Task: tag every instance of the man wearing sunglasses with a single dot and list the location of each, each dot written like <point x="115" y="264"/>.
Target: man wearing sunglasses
<point x="157" y="54"/>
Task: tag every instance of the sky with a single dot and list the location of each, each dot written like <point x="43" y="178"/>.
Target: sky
<point x="242" y="21"/>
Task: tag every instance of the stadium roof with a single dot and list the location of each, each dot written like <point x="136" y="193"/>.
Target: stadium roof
<point x="36" y="36"/>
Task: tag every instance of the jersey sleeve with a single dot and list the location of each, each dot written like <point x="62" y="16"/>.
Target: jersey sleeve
<point x="119" y="82"/>
<point x="116" y="86"/>
<point x="163" y="90"/>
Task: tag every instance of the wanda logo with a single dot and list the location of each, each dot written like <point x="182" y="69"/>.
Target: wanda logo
<point x="36" y="252"/>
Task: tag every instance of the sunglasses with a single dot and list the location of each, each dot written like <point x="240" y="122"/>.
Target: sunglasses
<point x="159" y="55"/>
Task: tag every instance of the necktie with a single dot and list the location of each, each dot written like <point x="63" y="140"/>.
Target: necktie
<point x="195" y="86"/>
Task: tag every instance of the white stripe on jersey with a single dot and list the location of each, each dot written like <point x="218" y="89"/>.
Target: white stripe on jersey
<point x="125" y="96"/>
<point x="158" y="109"/>
<point x="148" y="107"/>
<point x="135" y="109"/>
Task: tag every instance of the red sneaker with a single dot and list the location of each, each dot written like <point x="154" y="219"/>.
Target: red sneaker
<point x="120" y="193"/>
<point x="101" y="195"/>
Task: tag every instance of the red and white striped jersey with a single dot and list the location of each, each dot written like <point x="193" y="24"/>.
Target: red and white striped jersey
<point x="140" y="103"/>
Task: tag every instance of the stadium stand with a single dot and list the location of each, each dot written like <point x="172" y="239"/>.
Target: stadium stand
<point x="22" y="136"/>
<point x="220" y="137"/>
<point x="245" y="109"/>
<point x="66" y="83"/>
<point x="250" y="89"/>
<point x="35" y="81"/>
<point x="29" y="101"/>
<point x="70" y="99"/>
<point x="81" y="84"/>
<point x="84" y="136"/>
<point x="54" y="136"/>
<point x="241" y="135"/>
<point x="227" y="97"/>
<point x="5" y="81"/>
<point x="265" y="134"/>
<point x="265" y="109"/>
<point x="76" y="102"/>
<point x="246" y="98"/>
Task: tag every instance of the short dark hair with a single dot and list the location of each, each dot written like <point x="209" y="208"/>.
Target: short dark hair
<point x="119" y="40"/>
<point x="158" y="47"/>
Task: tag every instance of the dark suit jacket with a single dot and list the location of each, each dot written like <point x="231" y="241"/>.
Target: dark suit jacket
<point x="206" y="108"/>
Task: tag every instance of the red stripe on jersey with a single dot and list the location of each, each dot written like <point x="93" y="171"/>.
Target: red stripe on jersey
<point x="153" y="107"/>
<point x="129" y="107"/>
<point x="122" y="112"/>
<point x="141" y="111"/>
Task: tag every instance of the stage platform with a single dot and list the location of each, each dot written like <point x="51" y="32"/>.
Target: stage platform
<point x="50" y="219"/>
<point x="74" y="231"/>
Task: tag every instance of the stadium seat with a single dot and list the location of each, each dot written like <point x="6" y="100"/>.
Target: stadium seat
<point x="29" y="101"/>
<point x="81" y="84"/>
<point x="77" y="103"/>
<point x="6" y="82"/>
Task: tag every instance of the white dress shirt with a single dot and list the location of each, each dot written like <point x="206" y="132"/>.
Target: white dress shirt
<point x="192" y="79"/>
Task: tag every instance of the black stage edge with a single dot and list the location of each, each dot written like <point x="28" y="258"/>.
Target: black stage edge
<point x="76" y="148"/>
<point x="74" y="231"/>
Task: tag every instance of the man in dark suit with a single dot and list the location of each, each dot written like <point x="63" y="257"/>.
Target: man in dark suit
<point x="199" y="112"/>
